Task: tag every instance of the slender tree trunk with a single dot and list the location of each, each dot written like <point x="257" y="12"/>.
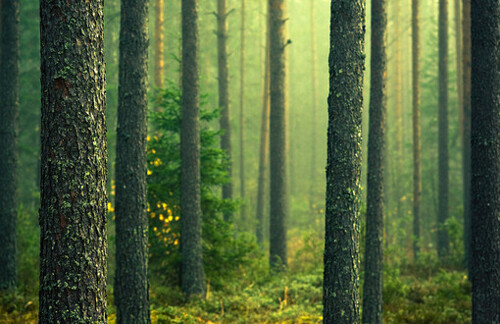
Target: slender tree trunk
<point x="73" y="186"/>
<point x="264" y="141"/>
<point x="466" y="154"/>
<point x="9" y="110"/>
<point x="314" y="108"/>
<point x="343" y="171"/>
<point x="159" y="61"/>
<point x="242" y="113"/>
<point x="485" y="149"/>
<point x="417" y="173"/>
<point x="278" y="145"/>
<point x="372" y="298"/>
<point x="442" y="245"/>
<point x="225" y="119"/>
<point x="398" y="188"/>
<point x="459" y="62"/>
<point x="131" y="279"/>
<point x="193" y="276"/>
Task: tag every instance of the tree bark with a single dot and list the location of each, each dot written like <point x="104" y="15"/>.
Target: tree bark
<point x="193" y="276"/>
<point x="442" y="244"/>
<point x="278" y="138"/>
<point x="343" y="171"/>
<point x="242" y="114"/>
<point x="9" y="111"/>
<point x="225" y="119"/>
<point x="372" y="298"/>
<point x="73" y="179"/>
<point x="417" y="171"/>
<point x="485" y="149"/>
<point x="131" y="279"/>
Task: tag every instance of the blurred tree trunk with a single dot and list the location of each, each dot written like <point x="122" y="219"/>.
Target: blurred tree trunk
<point x="73" y="185"/>
<point x="193" y="276"/>
<point x="398" y="188"/>
<point x="417" y="171"/>
<point x="278" y="138"/>
<point x="314" y="109"/>
<point x="485" y="149"/>
<point x="9" y="110"/>
<point x="443" y="244"/>
<point x="264" y="140"/>
<point x="242" y="114"/>
<point x="159" y="61"/>
<point x="225" y="119"/>
<point x="131" y="279"/>
<point x="466" y="153"/>
<point x="459" y="62"/>
<point x="372" y="299"/>
<point x="343" y="171"/>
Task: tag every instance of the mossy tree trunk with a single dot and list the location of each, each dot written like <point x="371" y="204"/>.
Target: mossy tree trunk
<point x="73" y="177"/>
<point x="193" y="276"/>
<point x="372" y="299"/>
<point x="9" y="110"/>
<point x="278" y="138"/>
<point x="485" y="149"/>
<point x="131" y="280"/>
<point x="343" y="171"/>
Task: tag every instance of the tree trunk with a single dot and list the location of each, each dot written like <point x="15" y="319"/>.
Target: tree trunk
<point x="225" y="119"/>
<point x="343" y="171"/>
<point x="9" y="110"/>
<point x="131" y="279"/>
<point x="417" y="173"/>
<point x="466" y="158"/>
<point x="193" y="276"/>
<point x="73" y="186"/>
<point x="159" y="62"/>
<point x="314" y="109"/>
<point x="485" y="149"/>
<point x="372" y="299"/>
<point x="442" y="244"/>
<point x="264" y="141"/>
<point x="242" y="113"/>
<point x="278" y="145"/>
<point x="459" y="62"/>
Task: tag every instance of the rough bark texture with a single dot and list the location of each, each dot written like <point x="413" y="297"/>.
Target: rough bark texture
<point x="466" y="157"/>
<point x="417" y="171"/>
<point x="278" y="145"/>
<point x="485" y="148"/>
<point x="343" y="171"/>
<point x="242" y="114"/>
<point x="264" y="142"/>
<point x="193" y="276"/>
<point x="9" y="107"/>
<point x="442" y="241"/>
<point x="131" y="279"/>
<point x="159" y="61"/>
<point x="73" y="176"/>
<point x="225" y="120"/>
<point x="372" y="298"/>
<point x="314" y="108"/>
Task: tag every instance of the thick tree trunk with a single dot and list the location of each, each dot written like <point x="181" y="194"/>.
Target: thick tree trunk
<point x="73" y="186"/>
<point x="417" y="173"/>
<point x="264" y="141"/>
<point x="159" y="61"/>
<point x="225" y="119"/>
<point x="278" y="138"/>
<point x="193" y="276"/>
<point x="442" y="244"/>
<point x="343" y="171"/>
<point x="485" y="149"/>
<point x="242" y="114"/>
<point x="131" y="279"/>
<point x="372" y="299"/>
<point x="9" y="110"/>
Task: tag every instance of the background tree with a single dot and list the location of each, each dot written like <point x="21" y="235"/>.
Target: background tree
<point x="278" y="138"/>
<point x="372" y="299"/>
<point x="73" y="178"/>
<point x="343" y="171"/>
<point x="193" y="276"/>
<point x="242" y="113"/>
<point x="485" y="152"/>
<point x="9" y="92"/>
<point x="131" y="287"/>
<point x="314" y="108"/>
<point x="159" y="37"/>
